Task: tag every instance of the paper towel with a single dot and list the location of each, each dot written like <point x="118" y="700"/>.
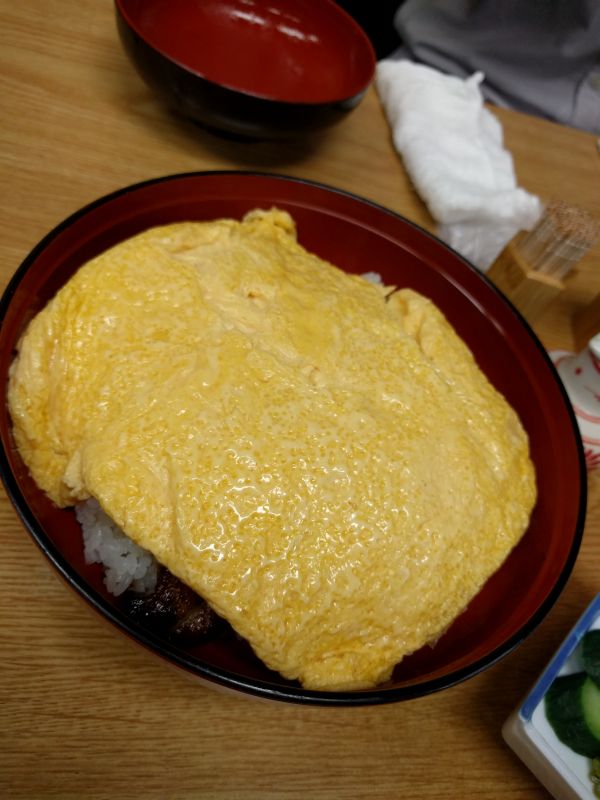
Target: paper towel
<point x="452" y="147"/>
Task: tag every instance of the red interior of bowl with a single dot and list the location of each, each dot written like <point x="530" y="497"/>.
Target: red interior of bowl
<point x="358" y="237"/>
<point x="298" y="51"/>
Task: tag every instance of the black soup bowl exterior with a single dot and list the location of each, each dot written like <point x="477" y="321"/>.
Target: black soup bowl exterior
<point x="265" y="71"/>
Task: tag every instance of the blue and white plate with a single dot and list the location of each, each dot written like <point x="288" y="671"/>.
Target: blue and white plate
<point x="527" y="731"/>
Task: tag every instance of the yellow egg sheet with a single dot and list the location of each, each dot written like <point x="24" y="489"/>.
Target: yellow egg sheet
<point x="320" y="459"/>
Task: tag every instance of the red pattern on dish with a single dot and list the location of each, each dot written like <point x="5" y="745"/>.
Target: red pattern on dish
<point x="592" y="458"/>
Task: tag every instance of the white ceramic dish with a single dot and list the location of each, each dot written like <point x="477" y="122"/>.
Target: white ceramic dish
<point x="527" y="731"/>
<point x="580" y="374"/>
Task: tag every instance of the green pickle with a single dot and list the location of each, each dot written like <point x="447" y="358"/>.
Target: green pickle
<point x="590" y="653"/>
<point x="573" y="710"/>
<point x="573" y="707"/>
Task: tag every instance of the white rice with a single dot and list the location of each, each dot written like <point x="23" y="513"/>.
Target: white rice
<point x="126" y="565"/>
<point x="372" y="277"/>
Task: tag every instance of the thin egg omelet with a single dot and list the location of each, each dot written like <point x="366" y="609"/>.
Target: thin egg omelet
<point x="319" y="458"/>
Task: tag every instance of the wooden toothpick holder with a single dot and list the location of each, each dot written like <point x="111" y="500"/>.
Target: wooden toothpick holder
<point x="529" y="290"/>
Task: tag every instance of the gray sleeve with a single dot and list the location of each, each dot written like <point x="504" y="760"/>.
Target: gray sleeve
<point x="538" y="56"/>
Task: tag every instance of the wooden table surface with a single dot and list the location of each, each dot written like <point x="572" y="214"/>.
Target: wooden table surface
<point x="85" y="714"/>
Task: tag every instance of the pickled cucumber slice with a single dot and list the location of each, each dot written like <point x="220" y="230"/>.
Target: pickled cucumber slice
<point x="573" y="710"/>
<point x="590" y="651"/>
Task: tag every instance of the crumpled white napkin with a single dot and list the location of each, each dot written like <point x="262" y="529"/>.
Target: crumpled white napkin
<point x="452" y="147"/>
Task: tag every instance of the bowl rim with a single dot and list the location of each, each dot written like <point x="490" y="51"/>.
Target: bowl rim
<point x="270" y="98"/>
<point x="233" y="680"/>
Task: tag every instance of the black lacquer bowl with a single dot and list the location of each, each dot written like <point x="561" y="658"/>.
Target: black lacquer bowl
<point x="257" y="69"/>
<point x="357" y="236"/>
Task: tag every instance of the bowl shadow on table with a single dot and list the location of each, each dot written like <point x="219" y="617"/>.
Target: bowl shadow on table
<point x="247" y="152"/>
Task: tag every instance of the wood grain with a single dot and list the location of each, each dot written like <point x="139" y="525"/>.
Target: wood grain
<point x="84" y="713"/>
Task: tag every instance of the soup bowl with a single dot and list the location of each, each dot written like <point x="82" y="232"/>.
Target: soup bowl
<point x="250" y="68"/>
